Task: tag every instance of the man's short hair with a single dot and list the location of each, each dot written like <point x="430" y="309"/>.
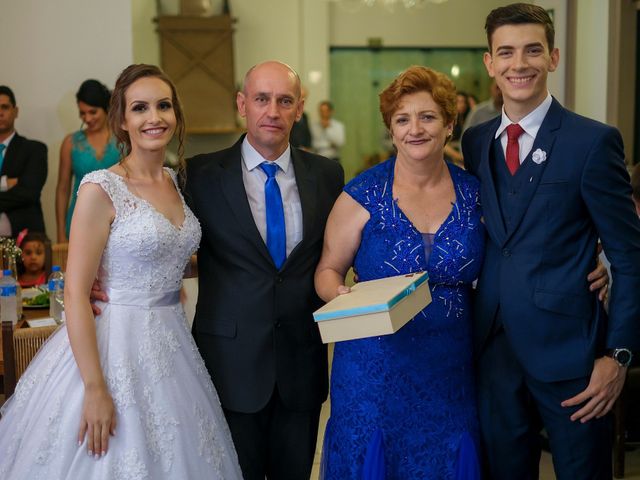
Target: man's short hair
<point x="635" y="181"/>
<point x="4" y="90"/>
<point x="517" y="14"/>
<point x="327" y="103"/>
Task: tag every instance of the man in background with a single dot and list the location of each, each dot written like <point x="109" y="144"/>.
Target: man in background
<point x="328" y="133"/>
<point x="300" y="133"/>
<point x="486" y="110"/>
<point x="23" y="172"/>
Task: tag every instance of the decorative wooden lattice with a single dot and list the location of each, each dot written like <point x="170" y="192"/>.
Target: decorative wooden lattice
<point x="197" y="54"/>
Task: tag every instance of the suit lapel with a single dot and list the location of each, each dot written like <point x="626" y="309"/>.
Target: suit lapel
<point x="12" y="152"/>
<point x="233" y="189"/>
<point x="544" y="142"/>
<point x="307" y="186"/>
<point x="489" y="197"/>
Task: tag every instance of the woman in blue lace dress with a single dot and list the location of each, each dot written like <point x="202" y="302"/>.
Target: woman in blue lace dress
<point x="403" y="405"/>
<point x="84" y="151"/>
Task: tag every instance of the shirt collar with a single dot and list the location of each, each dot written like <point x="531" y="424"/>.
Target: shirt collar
<point x="7" y="140"/>
<point x="253" y="159"/>
<point x="530" y="123"/>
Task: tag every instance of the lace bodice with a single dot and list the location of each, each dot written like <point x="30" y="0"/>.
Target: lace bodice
<point x="145" y="252"/>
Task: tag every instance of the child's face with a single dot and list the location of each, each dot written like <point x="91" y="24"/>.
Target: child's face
<point x="33" y="256"/>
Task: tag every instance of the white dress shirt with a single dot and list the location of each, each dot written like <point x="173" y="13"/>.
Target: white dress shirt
<point x="254" y="179"/>
<point x="328" y="141"/>
<point x="530" y="124"/>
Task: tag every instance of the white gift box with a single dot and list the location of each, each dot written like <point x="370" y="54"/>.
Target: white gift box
<point x="373" y="308"/>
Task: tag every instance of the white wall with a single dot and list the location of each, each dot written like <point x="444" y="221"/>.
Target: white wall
<point x="456" y="23"/>
<point x="47" y="49"/>
<point x="591" y="58"/>
<point x="146" y="46"/>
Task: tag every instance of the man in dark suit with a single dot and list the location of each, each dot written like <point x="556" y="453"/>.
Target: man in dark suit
<point x="253" y="322"/>
<point x="553" y="182"/>
<point x="300" y="132"/>
<point x="23" y="171"/>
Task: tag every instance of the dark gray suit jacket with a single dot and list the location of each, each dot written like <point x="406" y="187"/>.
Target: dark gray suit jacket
<point x="253" y="324"/>
<point x="25" y="160"/>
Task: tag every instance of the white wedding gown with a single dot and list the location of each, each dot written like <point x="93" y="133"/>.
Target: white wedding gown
<point x="169" y="421"/>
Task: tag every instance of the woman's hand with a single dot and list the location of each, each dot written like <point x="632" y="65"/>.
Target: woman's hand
<point x="98" y="420"/>
<point x="599" y="280"/>
<point x="343" y="289"/>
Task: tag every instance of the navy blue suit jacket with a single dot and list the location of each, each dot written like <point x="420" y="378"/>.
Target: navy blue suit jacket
<point x="535" y="273"/>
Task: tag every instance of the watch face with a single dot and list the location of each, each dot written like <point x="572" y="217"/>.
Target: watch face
<point x="623" y="356"/>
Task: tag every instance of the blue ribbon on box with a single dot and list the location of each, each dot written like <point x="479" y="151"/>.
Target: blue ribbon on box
<point x="380" y="307"/>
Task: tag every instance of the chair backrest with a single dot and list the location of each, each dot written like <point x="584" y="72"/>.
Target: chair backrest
<point x="59" y="255"/>
<point x="19" y="346"/>
<point x="26" y="343"/>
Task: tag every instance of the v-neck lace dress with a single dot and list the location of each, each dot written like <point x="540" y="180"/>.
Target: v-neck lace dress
<point x="169" y="421"/>
<point x="403" y="406"/>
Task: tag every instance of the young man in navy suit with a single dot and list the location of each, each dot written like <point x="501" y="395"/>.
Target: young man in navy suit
<point x="553" y="182"/>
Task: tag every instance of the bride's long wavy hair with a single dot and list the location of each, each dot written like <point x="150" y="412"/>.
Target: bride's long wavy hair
<point x="117" y="108"/>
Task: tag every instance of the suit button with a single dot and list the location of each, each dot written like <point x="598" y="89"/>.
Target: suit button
<point x="506" y="253"/>
<point x="277" y="324"/>
<point x="278" y="279"/>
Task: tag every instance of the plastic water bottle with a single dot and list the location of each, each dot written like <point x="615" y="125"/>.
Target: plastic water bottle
<point x="8" y="302"/>
<point x="56" y="294"/>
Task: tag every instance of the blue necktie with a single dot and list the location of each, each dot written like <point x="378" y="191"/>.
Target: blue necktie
<point x="2" y="147"/>
<point x="276" y="232"/>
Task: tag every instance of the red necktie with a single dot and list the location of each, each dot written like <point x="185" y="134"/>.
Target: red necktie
<point x="513" y="150"/>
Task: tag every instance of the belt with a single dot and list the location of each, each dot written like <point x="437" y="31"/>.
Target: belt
<point x="142" y="299"/>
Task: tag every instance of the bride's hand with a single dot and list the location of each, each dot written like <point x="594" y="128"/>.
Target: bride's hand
<point x="98" y="421"/>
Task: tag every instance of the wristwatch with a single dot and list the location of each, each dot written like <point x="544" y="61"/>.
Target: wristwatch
<point x="622" y="356"/>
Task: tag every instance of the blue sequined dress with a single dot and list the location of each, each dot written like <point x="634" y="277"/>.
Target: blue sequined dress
<point x="403" y="405"/>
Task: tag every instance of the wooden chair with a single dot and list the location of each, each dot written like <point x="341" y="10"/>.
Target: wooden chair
<point x="19" y="346"/>
<point x="59" y="255"/>
<point x="620" y="409"/>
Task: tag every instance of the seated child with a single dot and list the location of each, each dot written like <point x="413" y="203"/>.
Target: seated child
<point x="36" y="255"/>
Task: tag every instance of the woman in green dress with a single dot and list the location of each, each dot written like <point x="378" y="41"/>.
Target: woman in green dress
<point x="90" y="148"/>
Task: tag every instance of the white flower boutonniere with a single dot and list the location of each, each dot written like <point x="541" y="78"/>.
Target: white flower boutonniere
<point x="539" y="156"/>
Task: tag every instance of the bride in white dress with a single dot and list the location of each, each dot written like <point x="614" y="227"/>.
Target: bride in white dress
<point x="124" y="396"/>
